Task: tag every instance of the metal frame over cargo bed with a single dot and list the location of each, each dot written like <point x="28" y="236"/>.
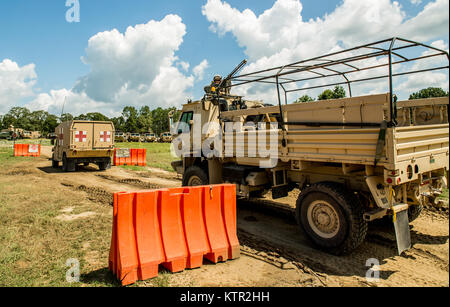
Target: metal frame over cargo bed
<point x="387" y="53"/>
<point x="367" y="130"/>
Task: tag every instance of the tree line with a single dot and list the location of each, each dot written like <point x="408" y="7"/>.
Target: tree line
<point x="147" y="120"/>
<point x="131" y="120"/>
<point x="339" y="92"/>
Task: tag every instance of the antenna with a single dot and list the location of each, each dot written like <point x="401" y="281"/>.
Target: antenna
<point x="62" y="111"/>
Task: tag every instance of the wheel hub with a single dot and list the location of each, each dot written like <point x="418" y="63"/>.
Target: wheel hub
<point x="195" y="181"/>
<point x="323" y="219"/>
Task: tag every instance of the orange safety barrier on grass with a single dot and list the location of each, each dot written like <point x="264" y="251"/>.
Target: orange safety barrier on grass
<point x="176" y="228"/>
<point x="129" y="156"/>
<point x="27" y="150"/>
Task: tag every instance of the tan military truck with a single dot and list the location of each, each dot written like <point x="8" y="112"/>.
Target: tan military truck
<point x="354" y="160"/>
<point x="83" y="142"/>
<point x="150" y="137"/>
<point x="27" y="134"/>
<point x="135" y="137"/>
<point x="121" y="137"/>
<point x="166" y="137"/>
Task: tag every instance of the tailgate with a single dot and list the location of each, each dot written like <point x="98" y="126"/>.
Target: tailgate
<point x="420" y="149"/>
<point x="103" y="135"/>
<point x="82" y="136"/>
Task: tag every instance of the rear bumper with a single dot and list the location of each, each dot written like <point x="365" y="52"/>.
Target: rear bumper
<point x="91" y="160"/>
<point x="91" y="154"/>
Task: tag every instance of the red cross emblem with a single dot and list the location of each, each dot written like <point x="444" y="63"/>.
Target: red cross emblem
<point x="33" y="149"/>
<point x="105" y="136"/>
<point x="80" y="136"/>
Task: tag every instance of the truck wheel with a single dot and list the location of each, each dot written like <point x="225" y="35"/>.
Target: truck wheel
<point x="414" y="212"/>
<point x="55" y="164"/>
<point x="195" y="176"/>
<point x="68" y="165"/>
<point x="104" y="165"/>
<point x="331" y="217"/>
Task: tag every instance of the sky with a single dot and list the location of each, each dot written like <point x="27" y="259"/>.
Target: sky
<point x="162" y="53"/>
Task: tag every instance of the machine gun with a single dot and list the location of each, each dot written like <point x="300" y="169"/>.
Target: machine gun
<point x="224" y="83"/>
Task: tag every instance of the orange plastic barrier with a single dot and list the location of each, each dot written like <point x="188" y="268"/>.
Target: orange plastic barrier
<point x="176" y="228"/>
<point x="27" y="150"/>
<point x="125" y="156"/>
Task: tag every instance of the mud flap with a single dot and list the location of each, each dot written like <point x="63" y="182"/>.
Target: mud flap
<point x="401" y="224"/>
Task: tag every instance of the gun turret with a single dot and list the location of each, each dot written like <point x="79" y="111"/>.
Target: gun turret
<point x="224" y="83"/>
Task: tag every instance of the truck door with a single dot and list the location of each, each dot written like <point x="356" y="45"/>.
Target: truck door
<point x="185" y="127"/>
<point x="103" y="136"/>
<point x="82" y="136"/>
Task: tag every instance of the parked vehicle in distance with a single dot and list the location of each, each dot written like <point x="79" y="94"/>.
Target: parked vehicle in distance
<point x="83" y="142"/>
<point x="27" y="134"/>
<point x="166" y="137"/>
<point x="150" y="137"/>
<point x="135" y="137"/>
<point x="121" y="137"/>
<point x="6" y="135"/>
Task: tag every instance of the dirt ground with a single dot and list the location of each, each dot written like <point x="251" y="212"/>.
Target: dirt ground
<point x="274" y="251"/>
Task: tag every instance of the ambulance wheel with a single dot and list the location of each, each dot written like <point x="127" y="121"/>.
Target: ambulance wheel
<point x="68" y="165"/>
<point x="104" y="165"/>
<point x="55" y="164"/>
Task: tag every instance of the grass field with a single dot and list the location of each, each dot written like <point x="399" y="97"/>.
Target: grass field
<point x="7" y="157"/>
<point x="35" y="238"/>
<point x="43" y="142"/>
<point x="158" y="154"/>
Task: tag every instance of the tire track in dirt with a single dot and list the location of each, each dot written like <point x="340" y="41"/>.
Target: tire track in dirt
<point x="425" y="265"/>
<point x="95" y="194"/>
<point x="131" y="181"/>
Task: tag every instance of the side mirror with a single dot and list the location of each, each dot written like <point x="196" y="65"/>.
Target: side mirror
<point x="207" y="89"/>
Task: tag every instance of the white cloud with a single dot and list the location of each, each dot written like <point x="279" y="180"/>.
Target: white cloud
<point x="280" y="35"/>
<point x="16" y="83"/>
<point x="431" y="23"/>
<point x="138" y="67"/>
<point x="64" y="100"/>
<point x="416" y="2"/>
<point x="184" y="65"/>
<point x="199" y="70"/>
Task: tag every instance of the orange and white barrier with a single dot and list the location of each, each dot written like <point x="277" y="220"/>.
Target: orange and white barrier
<point x="27" y="150"/>
<point x="129" y="156"/>
<point x="177" y="228"/>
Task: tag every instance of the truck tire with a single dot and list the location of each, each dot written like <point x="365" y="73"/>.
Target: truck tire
<point x="55" y="164"/>
<point x="195" y="176"/>
<point x="414" y="212"/>
<point x="104" y="165"/>
<point x="68" y="165"/>
<point x="331" y="217"/>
